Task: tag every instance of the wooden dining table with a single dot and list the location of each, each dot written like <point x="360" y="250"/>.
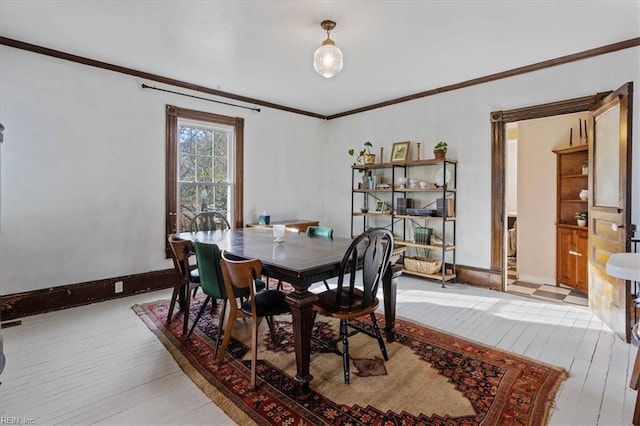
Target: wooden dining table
<point x="300" y="261"/>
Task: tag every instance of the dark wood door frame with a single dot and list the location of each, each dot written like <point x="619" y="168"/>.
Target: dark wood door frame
<point x="499" y="119"/>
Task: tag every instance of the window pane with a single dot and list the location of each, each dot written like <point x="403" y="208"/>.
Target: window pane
<point x="606" y="155"/>
<point x="187" y="207"/>
<point x="204" y="169"/>
<point x="187" y="168"/>
<point x="187" y="141"/>
<point x="221" y="142"/>
<point x="221" y="198"/>
<point x="220" y="170"/>
<point x="205" y="141"/>
<point x="205" y="197"/>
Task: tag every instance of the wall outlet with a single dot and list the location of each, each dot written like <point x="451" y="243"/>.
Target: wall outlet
<point x="119" y="288"/>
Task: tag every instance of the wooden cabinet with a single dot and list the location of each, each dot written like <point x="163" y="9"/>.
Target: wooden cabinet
<point x="571" y="239"/>
<point x="571" y="257"/>
<point x="432" y="207"/>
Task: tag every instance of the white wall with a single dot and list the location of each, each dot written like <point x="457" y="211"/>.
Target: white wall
<point x="83" y="171"/>
<point x="511" y="187"/>
<point x="462" y="118"/>
<point x="83" y="161"/>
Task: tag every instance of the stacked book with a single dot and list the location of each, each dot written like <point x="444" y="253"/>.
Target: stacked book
<point x="422" y="235"/>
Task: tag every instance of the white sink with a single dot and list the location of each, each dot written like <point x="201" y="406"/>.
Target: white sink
<point x="625" y="266"/>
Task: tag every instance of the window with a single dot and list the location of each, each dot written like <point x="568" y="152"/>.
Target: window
<point x="204" y="169"/>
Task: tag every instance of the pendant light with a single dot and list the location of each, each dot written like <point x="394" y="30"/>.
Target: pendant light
<point x="327" y="59"/>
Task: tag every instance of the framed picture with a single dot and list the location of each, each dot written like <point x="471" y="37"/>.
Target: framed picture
<point x="400" y="151"/>
<point x="382" y="207"/>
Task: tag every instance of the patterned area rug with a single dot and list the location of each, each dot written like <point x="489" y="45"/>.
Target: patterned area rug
<point x="431" y="378"/>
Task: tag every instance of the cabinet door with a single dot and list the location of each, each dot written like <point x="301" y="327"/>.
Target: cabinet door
<point x="565" y="262"/>
<point x="581" y="257"/>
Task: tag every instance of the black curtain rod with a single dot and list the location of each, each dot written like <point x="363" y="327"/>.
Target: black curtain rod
<point x="144" y="86"/>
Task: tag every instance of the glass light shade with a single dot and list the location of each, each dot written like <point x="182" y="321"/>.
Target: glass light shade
<point x="327" y="59"/>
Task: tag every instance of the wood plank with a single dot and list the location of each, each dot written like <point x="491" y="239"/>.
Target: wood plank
<point x="103" y="365"/>
<point x="613" y="400"/>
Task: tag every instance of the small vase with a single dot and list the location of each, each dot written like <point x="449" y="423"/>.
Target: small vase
<point x="584" y="195"/>
<point x="582" y="222"/>
<point x="364" y="208"/>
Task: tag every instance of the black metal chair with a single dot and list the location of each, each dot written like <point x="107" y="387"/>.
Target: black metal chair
<point x="371" y="250"/>
<point x="209" y="221"/>
<point x="188" y="278"/>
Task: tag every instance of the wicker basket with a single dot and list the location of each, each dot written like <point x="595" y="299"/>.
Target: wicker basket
<point x="422" y="264"/>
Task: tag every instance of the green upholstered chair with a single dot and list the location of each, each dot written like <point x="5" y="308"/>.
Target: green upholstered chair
<point x="212" y="284"/>
<point x="372" y="249"/>
<point x="323" y="232"/>
<point x="319" y="231"/>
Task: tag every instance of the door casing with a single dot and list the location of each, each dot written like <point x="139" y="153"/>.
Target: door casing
<point x="499" y="119"/>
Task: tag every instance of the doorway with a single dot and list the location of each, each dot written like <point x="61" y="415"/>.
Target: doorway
<point x="610" y="228"/>
<point x="531" y="205"/>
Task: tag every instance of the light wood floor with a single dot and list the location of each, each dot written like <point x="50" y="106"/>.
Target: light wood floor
<point x="99" y="364"/>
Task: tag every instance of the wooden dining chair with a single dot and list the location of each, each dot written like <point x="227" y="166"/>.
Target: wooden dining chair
<point x="209" y="221"/>
<point x="372" y="250"/>
<point x="188" y="278"/>
<point x="239" y="275"/>
<point x="212" y="284"/>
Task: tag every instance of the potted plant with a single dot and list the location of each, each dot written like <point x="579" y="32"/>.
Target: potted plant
<point x="581" y="217"/>
<point x="440" y="150"/>
<point x="364" y="156"/>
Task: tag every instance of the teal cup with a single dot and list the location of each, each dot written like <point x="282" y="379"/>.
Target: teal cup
<point x="264" y="219"/>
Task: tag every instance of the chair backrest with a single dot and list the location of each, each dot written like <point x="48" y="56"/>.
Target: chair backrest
<point x="181" y="250"/>
<point x="211" y="279"/>
<point x="319" y="231"/>
<point x="240" y="275"/>
<point x="373" y="250"/>
<point x="209" y="221"/>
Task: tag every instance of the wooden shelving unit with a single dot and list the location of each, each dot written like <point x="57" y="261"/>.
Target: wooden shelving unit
<point x="571" y="239"/>
<point x="402" y="224"/>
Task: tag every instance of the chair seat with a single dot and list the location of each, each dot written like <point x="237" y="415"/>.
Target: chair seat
<point x="268" y="303"/>
<point x="327" y="300"/>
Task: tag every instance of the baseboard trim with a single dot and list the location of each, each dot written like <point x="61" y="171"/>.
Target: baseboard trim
<point x="479" y="276"/>
<point x="474" y="276"/>
<point x="34" y="302"/>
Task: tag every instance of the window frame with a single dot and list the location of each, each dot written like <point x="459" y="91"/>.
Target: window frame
<point x="173" y="114"/>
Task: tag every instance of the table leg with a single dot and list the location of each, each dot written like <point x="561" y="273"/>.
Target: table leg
<point x="389" y="290"/>
<point x="301" y="303"/>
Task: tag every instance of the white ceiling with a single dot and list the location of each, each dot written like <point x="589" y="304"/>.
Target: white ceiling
<point x="264" y="49"/>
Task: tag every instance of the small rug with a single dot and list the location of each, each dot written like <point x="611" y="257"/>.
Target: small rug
<point x="431" y="378"/>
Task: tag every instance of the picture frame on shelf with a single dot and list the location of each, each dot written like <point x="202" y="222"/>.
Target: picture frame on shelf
<point x="400" y="151"/>
<point x="382" y="207"/>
